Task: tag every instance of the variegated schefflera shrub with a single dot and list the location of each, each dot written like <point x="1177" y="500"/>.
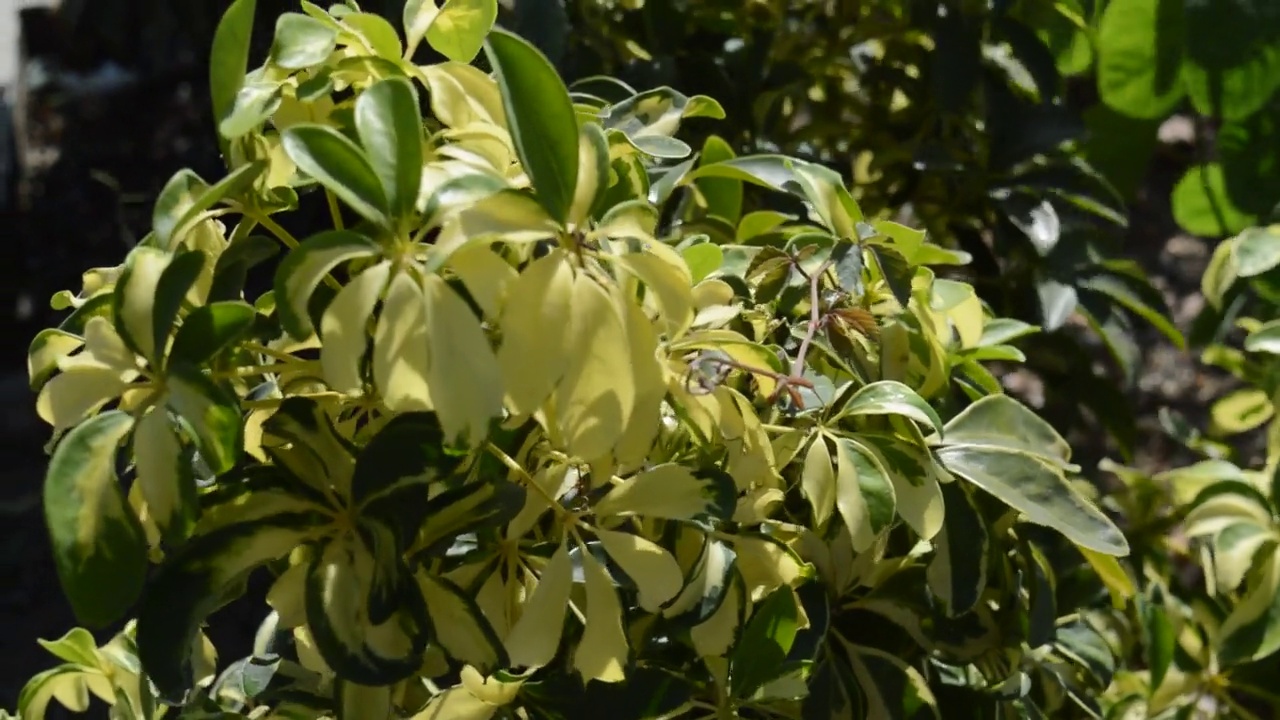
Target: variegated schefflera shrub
<point x="558" y="415"/>
<point x="1205" y="536"/>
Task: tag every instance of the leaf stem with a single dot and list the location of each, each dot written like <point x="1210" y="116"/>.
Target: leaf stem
<point x="289" y="241"/>
<point x="527" y="479"/>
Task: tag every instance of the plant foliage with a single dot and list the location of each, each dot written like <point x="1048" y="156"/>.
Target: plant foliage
<point x="515" y="438"/>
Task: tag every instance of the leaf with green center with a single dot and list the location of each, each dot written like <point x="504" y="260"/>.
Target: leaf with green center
<point x="1241" y="411"/>
<point x="723" y="196"/>
<point x="173" y="288"/>
<point x="864" y="493"/>
<point x="672" y="492"/>
<point x="911" y="471"/>
<point x="339" y="582"/>
<point x="229" y="56"/>
<point x="318" y="454"/>
<point x="305" y="267"/>
<point x="98" y="544"/>
<point x="766" y="641"/>
<point x="209" y="330"/>
<point x="957" y="574"/>
<point x="301" y="42"/>
<point x="210" y="416"/>
<point x="459" y="29"/>
<point x="340" y="166"/>
<point x="540" y="116"/>
<point x="464" y="509"/>
<point x="1034" y="485"/>
<point x="888" y="397"/>
<point x="389" y="124"/>
<point x="193" y="582"/>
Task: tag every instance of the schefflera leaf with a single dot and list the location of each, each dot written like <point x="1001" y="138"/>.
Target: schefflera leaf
<point x="98" y="544"/>
<point x="672" y="492"/>
<point x="1007" y="450"/>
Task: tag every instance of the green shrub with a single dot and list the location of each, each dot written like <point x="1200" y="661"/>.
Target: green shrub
<point x="957" y="115"/>
<point x="514" y="439"/>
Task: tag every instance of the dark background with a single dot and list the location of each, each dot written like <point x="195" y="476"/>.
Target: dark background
<point x="109" y="107"/>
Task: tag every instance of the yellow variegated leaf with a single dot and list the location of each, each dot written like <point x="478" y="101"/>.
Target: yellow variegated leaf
<point x="849" y="500"/>
<point x="47" y="349"/>
<point x="602" y="652"/>
<point x="136" y="296"/>
<point x="596" y="396"/>
<point x="672" y="492"/>
<point x="668" y="285"/>
<point x="362" y="702"/>
<point x="482" y="145"/>
<point x="456" y="704"/>
<point x="593" y="172"/>
<point x="646" y="417"/>
<point x="66" y="399"/>
<point x="345" y="330"/>
<point x="818" y="481"/>
<point x="163" y="472"/>
<point x="463" y="373"/>
<point x="714" y="636"/>
<point x="653" y="569"/>
<point x="493" y="690"/>
<point x="486" y="276"/>
<point x="286" y="596"/>
<point x="460" y="626"/>
<point x="309" y="655"/>
<point x="462" y="94"/>
<point x="400" y="360"/>
<point x="767" y="564"/>
<point x="534" y="639"/>
<point x="535" y="327"/>
<point x="757" y="505"/>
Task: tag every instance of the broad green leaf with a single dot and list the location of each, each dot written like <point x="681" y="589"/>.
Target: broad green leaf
<point x="535" y="323"/>
<point x="463" y="375"/>
<point x="1255" y="251"/>
<point x="164" y="474"/>
<point x="229" y="56"/>
<point x="459" y="29"/>
<point x="535" y="637"/>
<point x="339" y="583"/>
<point x="135" y="299"/>
<point x="301" y="41"/>
<point x="340" y="166"/>
<point x="888" y="397"/>
<point x="818" y="481"/>
<point x="602" y="652"/>
<point x="1140" y="56"/>
<point x="595" y="397"/>
<point x="192" y="583"/>
<point x="389" y="124"/>
<point x="210" y="416"/>
<point x="864" y="493"/>
<point x="702" y="259"/>
<point x="210" y="329"/>
<point x="655" y="572"/>
<point x="1203" y="206"/>
<point x="345" y="329"/>
<point x="540" y="116"/>
<point x="1035" y="486"/>
<point x="958" y="572"/>
<point x="98" y="544"/>
<point x="766" y="641"/>
<point x="305" y="267"/>
<point x="459" y="625"/>
<point x="723" y="196"/>
<point x="401" y="343"/>
<point x="672" y="492"/>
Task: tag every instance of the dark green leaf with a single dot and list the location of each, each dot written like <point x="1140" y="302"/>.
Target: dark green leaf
<point x="229" y="57"/>
<point x="175" y="282"/>
<point x="1140" y="56"/>
<point x="186" y="196"/>
<point x="337" y="164"/>
<point x="766" y="640"/>
<point x="210" y="416"/>
<point x="98" y="544"/>
<point x="958" y="572"/>
<point x="541" y="119"/>
<point x="389" y="123"/>
<point x="209" y="330"/>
